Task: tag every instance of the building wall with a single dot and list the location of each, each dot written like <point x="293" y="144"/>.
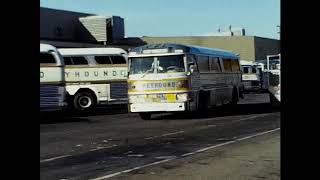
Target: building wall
<point x="243" y="45"/>
<point x="118" y="31"/>
<point x="248" y="47"/>
<point x="59" y="24"/>
<point x="265" y="46"/>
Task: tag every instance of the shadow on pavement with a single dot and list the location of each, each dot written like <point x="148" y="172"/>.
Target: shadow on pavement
<point x="226" y="110"/>
<point x="69" y="115"/>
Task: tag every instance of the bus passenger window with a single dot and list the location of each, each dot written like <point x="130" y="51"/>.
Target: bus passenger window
<point x="214" y="64"/>
<point x="67" y="60"/>
<point x="254" y="70"/>
<point x="245" y="70"/>
<point x="118" y="59"/>
<point x="235" y="65"/>
<point x="102" y="59"/>
<point x="227" y="64"/>
<point x="79" y="60"/>
<point x="203" y="63"/>
<point x="47" y="58"/>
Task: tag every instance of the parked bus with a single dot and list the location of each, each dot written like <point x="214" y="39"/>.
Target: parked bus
<point x="52" y="80"/>
<point x="95" y="76"/>
<point x="251" y="75"/>
<point x="274" y="79"/>
<point x="174" y="77"/>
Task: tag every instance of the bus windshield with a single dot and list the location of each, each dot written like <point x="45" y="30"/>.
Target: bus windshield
<point x="168" y="64"/>
<point x="141" y="65"/>
<point x="164" y="64"/>
<point x="274" y="64"/>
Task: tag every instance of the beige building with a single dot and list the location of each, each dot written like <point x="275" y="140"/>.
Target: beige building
<point x="248" y="47"/>
<point x="68" y="29"/>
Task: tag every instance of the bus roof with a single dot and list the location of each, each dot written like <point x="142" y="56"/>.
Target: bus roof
<point x="187" y="49"/>
<point x="47" y="48"/>
<point x="91" y="51"/>
<point x="247" y="63"/>
<point x="264" y="61"/>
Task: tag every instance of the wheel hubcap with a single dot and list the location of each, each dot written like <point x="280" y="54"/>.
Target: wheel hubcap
<point x="85" y="102"/>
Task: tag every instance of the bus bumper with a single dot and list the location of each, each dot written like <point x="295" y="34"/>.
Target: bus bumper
<point x="157" y="107"/>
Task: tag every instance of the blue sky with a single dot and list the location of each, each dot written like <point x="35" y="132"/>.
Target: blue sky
<point x="182" y="17"/>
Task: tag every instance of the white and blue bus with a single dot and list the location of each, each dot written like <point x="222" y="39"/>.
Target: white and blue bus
<point x="52" y="79"/>
<point x="95" y="76"/>
<point x="174" y="77"/>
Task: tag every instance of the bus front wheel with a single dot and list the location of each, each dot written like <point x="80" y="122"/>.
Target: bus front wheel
<point x="145" y="116"/>
<point x="84" y="101"/>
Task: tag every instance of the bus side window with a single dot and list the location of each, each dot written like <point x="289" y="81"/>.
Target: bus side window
<point x="191" y="63"/>
<point x="245" y="70"/>
<point x="203" y="63"/>
<point x="102" y="59"/>
<point x="118" y="60"/>
<point x="254" y="70"/>
<point x="67" y="60"/>
<point x="214" y="64"/>
<point x="79" y="60"/>
<point x="47" y="58"/>
<point x="235" y="65"/>
<point x="227" y="65"/>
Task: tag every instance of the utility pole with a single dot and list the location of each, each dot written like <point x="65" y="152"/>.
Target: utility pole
<point x="278" y="26"/>
<point x="278" y="30"/>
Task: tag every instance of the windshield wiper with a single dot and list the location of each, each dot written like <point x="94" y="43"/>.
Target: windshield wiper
<point x="147" y="72"/>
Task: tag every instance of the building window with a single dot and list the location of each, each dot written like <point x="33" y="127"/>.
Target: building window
<point x="58" y="31"/>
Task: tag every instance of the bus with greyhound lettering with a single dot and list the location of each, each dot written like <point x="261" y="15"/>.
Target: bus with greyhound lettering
<point x="95" y="76"/>
<point x="174" y="77"/>
<point x="52" y="80"/>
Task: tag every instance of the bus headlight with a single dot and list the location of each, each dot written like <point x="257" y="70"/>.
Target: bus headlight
<point x="182" y="97"/>
<point x="182" y="84"/>
<point x="134" y="98"/>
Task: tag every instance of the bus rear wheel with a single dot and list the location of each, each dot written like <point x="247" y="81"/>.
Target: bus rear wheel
<point x="145" y="116"/>
<point x="235" y="97"/>
<point x="84" y="101"/>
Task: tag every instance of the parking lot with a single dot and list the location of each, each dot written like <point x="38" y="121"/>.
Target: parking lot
<point x="242" y="142"/>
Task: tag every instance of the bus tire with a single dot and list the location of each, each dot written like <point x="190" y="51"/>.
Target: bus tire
<point x="241" y="92"/>
<point x="202" y="102"/>
<point x="84" y="101"/>
<point x="145" y="115"/>
<point x="273" y="100"/>
<point x="235" y="97"/>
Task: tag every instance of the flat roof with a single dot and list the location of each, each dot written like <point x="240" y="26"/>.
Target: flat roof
<point x="91" y="51"/>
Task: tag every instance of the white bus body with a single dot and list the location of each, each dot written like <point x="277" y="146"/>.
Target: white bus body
<point x="172" y="77"/>
<point x="95" y="76"/>
<point x="251" y="75"/>
<point x="274" y="78"/>
<point x="52" y="80"/>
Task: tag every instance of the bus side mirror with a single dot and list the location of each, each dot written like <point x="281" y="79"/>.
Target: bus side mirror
<point x="192" y="67"/>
